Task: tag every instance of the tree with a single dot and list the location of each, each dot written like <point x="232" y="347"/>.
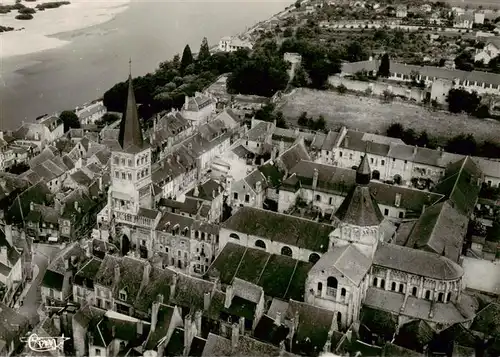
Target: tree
<point x="462" y="144"/>
<point x="108" y="118"/>
<point x="288" y="32"/>
<point x="395" y="130"/>
<point x="297" y="4"/>
<point x="70" y="120"/>
<point x="280" y="120"/>
<point x="355" y="52"/>
<point x="385" y="66"/>
<point x="18" y="168"/>
<point x="187" y="59"/>
<point x="320" y="124"/>
<point x="303" y="119"/>
<point x="460" y="100"/>
<point x="204" y="53"/>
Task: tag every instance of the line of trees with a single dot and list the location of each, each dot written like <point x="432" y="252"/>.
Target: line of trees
<point x="463" y="144"/>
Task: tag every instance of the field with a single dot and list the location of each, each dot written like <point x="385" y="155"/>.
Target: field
<point x="372" y="115"/>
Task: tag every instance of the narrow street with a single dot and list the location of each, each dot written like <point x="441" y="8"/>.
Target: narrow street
<point x="33" y="299"/>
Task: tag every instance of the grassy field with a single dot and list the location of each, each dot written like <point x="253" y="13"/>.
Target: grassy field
<point x="372" y="115"/>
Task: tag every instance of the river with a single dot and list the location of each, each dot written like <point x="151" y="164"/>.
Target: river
<point x="148" y="32"/>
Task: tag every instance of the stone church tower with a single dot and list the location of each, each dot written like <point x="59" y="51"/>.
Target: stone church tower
<point x="131" y="187"/>
<point x="358" y="218"/>
<point x="340" y="278"/>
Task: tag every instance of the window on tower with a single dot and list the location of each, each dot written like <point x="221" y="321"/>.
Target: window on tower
<point x="115" y="160"/>
<point x="129" y="162"/>
<point x="123" y="175"/>
<point x="123" y="162"/>
<point x="130" y="177"/>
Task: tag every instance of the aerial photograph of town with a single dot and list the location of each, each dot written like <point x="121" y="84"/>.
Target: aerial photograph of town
<point x="250" y="178"/>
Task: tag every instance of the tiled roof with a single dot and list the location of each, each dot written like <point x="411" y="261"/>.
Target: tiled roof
<point x="38" y="193"/>
<point x="158" y="284"/>
<point x="12" y="325"/>
<point x="441" y="229"/>
<point x="359" y="208"/>
<point x="416" y="262"/>
<point x="247" y="346"/>
<point x="206" y="190"/>
<point x="279" y="276"/>
<point x="190" y="292"/>
<point x="281" y="228"/>
<point x="87" y="272"/>
<point x="314" y="324"/>
<point x="53" y="280"/>
<point x="258" y="132"/>
<point x="347" y="261"/>
<point x="461" y="184"/>
<point x="163" y="321"/>
<point x="293" y="155"/>
<point x="487" y="320"/>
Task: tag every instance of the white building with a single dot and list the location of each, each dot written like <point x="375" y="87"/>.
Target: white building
<point x="231" y="44"/>
<point x="490" y="51"/>
<point x="91" y="113"/>
<point x="198" y="109"/>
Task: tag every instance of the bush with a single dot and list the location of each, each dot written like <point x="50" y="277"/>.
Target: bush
<point x="24" y="17"/>
<point x="52" y="5"/>
<point x="342" y="89"/>
<point x="27" y="10"/>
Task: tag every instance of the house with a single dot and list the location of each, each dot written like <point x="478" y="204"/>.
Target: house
<point x="199" y="108"/>
<point x="479" y="17"/>
<point x="209" y="193"/>
<point x="57" y="283"/>
<point x="13" y="326"/>
<point x="83" y="283"/>
<point x="169" y="128"/>
<point x="231" y="44"/>
<point x="464" y="21"/>
<point x="41" y="133"/>
<point x="490" y="50"/>
<point x="186" y="243"/>
<point x="19" y="209"/>
<point x="42" y="223"/>
<point x="91" y="113"/>
<point x="116" y="333"/>
<point x="401" y="11"/>
<point x="11" y="266"/>
<point x="250" y="191"/>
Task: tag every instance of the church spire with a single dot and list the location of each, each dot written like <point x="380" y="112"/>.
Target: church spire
<point x="363" y="172"/>
<point x="130" y="136"/>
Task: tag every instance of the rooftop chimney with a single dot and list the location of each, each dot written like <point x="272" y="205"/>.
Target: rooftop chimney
<point x="32" y="206"/>
<point x="196" y="191"/>
<point x="229" y="296"/>
<point x="188" y="333"/>
<point x="154" y="314"/>
<point x="206" y="301"/>
<point x="282" y="146"/>
<point x="277" y="320"/>
<point x="117" y="273"/>
<point x="140" y="327"/>
<point x="173" y="285"/>
<point x="197" y="320"/>
<point x="315" y="179"/>
<point x="258" y="186"/>
<point x="346" y="141"/>
<point x="241" y="324"/>
<point x="235" y="336"/>
<point x="415" y="148"/>
<point x="213" y="194"/>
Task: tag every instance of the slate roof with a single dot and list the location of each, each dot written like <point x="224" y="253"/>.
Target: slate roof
<point x="53" y="280"/>
<point x="347" y="261"/>
<point x="130" y="135"/>
<point x="206" y="189"/>
<point x="417" y="262"/>
<point x="272" y="174"/>
<point x="169" y="125"/>
<point x="461" y="184"/>
<point x="190" y="292"/>
<point x="440" y="229"/>
<point x="247" y="346"/>
<point x="314" y="325"/>
<point x="487" y="321"/>
<point x="198" y="102"/>
<point x="392" y="350"/>
<point x="267" y="331"/>
<point x="12" y="254"/>
<point x="279" y="276"/>
<point x="123" y="327"/>
<point x="281" y="228"/>
<point x="87" y="273"/>
<point x="158" y="284"/>
<point x="359" y="208"/>
<point x="258" y="131"/>
<point x="293" y="155"/>
<point x="163" y="321"/>
<point x="175" y="345"/>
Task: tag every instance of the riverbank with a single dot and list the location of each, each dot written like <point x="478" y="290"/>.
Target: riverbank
<point x="40" y="33"/>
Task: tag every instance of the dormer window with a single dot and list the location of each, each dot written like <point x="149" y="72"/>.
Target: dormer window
<point x="122" y="295"/>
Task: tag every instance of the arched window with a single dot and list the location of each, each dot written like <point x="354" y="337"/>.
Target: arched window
<point x="448" y="297"/>
<point x="320" y="288"/>
<point x="441" y="297"/>
<point x="259" y="243"/>
<point x="318" y="198"/>
<point x="382" y="283"/>
<point x="234" y="236"/>
<point x="427" y="295"/>
<point x="401" y="288"/>
<point x="286" y="251"/>
<point x="342" y="292"/>
<point x="375" y="281"/>
<point x="313" y="258"/>
<point x="393" y="286"/>
<point x="414" y="291"/>
<point x="332" y="282"/>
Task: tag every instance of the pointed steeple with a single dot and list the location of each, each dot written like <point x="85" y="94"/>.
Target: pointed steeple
<point x="130" y="137"/>
<point x="363" y="172"/>
<point x="359" y="208"/>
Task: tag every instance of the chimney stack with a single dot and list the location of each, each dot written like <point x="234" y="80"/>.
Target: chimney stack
<point x="258" y="186"/>
<point x="154" y="314"/>
<point x="235" y="336"/>
<point x="32" y="206"/>
<point x="229" y="296"/>
<point x="274" y="151"/>
<point x="206" y="301"/>
<point x="76" y="205"/>
<point x="241" y="324"/>
<point x="277" y="320"/>
<point x="173" y="285"/>
<point x="213" y="193"/>
<point x="117" y="273"/>
<point x="282" y="147"/>
<point x="315" y="179"/>
<point x="197" y="320"/>
<point x="415" y="148"/>
<point x="140" y="328"/>
<point x="346" y="141"/>
<point x="188" y="333"/>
